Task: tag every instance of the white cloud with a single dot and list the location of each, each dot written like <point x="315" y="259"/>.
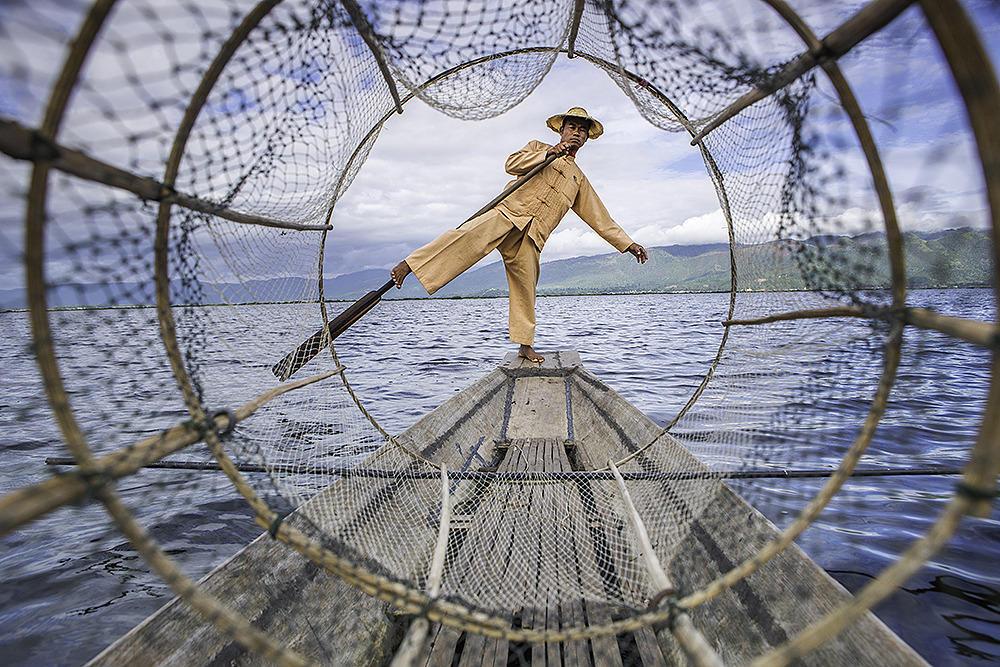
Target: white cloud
<point x="576" y="239"/>
<point x="428" y="171"/>
<point x="707" y="228"/>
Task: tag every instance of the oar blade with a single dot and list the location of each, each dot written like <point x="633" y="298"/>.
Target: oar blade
<point x="300" y="356"/>
<point x="313" y="345"/>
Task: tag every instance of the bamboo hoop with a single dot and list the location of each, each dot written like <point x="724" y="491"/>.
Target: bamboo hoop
<point x="979" y="87"/>
<point x="870" y="19"/>
<point x="265" y="514"/>
<point x="981" y="474"/>
<point x="711" y="166"/>
<point x="977" y="82"/>
<point x="226" y="620"/>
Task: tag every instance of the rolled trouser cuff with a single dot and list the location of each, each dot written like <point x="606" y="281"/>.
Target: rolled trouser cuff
<point x="522" y="337"/>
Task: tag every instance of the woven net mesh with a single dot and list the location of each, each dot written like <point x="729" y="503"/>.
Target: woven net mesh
<point x="540" y="538"/>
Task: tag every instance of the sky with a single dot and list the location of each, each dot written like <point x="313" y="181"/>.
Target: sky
<point x="429" y="171"/>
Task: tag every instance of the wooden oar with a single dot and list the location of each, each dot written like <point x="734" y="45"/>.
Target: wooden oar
<point x="313" y="345"/>
<point x="304" y="353"/>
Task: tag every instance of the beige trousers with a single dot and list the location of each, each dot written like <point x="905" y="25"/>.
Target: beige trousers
<point x="450" y="254"/>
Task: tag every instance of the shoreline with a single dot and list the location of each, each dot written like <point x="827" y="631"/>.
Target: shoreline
<point x="504" y="295"/>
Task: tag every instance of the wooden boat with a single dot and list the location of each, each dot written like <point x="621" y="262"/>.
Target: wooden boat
<point x="556" y="417"/>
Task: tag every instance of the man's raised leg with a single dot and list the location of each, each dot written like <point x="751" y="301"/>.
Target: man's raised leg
<point x="446" y="257"/>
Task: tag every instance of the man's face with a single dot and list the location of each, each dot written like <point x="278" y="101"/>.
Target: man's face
<point x="575" y="130"/>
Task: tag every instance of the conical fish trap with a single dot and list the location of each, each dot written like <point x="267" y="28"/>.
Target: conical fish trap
<point x="191" y="155"/>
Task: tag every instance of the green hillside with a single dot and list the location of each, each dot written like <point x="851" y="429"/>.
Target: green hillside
<point x="950" y="258"/>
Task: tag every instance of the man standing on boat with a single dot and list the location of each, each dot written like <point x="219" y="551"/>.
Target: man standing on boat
<point x="519" y="225"/>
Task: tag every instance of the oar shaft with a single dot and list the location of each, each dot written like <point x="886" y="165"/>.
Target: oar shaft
<point x="312" y="346"/>
<point x="524" y="178"/>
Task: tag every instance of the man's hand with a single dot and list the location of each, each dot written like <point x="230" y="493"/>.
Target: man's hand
<point x="563" y="147"/>
<point x="638" y="252"/>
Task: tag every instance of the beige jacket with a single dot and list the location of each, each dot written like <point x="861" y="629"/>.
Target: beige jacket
<point x="546" y="198"/>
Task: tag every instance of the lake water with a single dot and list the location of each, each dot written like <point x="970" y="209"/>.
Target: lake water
<point x="72" y="584"/>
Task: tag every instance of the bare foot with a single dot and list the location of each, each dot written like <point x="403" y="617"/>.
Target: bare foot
<point x="527" y="352"/>
<point x="399" y="273"/>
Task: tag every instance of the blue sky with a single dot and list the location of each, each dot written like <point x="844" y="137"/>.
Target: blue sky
<point x="428" y="171"/>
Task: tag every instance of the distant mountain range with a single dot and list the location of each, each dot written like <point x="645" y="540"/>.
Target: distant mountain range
<point x="948" y="258"/>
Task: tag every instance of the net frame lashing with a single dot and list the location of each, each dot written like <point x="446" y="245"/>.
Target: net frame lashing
<point x="968" y="61"/>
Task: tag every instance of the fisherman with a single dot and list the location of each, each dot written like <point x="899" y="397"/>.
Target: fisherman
<point x="519" y="225"/>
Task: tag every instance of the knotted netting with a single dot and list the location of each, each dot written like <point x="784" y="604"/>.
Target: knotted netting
<point x="174" y="171"/>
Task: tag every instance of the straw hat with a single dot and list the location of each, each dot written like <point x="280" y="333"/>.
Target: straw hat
<point x="555" y="122"/>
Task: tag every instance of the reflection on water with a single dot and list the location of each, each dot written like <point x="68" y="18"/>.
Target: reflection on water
<point x="785" y="397"/>
<point x="966" y="613"/>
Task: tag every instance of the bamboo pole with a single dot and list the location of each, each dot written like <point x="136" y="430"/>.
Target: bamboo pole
<point x="972" y="331"/>
<point x="981" y="333"/>
<point x="23" y="143"/>
<point x="807" y="314"/>
<point x="574" y="27"/>
<point x="29" y="503"/>
<point x="697" y="649"/>
<point x="869" y="20"/>
<point x="34" y="236"/>
<point x="416" y="637"/>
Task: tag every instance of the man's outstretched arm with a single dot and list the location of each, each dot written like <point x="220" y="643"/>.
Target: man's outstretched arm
<point x="591" y="210"/>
